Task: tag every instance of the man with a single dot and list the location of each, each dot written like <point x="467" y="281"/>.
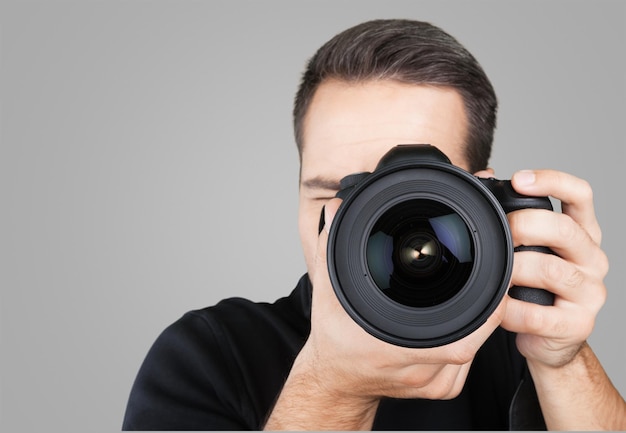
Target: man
<point x="303" y="363"/>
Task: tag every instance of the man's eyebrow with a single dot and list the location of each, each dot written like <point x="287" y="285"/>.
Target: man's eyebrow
<point x="321" y="183"/>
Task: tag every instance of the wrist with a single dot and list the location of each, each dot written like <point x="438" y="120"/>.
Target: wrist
<point x="314" y="398"/>
<point x="567" y="358"/>
<point x="578" y="395"/>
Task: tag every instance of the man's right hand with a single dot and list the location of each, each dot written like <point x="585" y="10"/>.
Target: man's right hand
<point x="342" y="372"/>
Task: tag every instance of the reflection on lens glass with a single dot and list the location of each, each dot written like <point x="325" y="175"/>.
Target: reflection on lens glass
<point x="420" y="253"/>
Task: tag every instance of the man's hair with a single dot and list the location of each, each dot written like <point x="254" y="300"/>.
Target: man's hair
<point x="411" y="52"/>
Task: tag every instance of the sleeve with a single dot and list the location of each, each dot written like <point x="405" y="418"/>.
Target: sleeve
<point x="186" y="382"/>
<point x="525" y="411"/>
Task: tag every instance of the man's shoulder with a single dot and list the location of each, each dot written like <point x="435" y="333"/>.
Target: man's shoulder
<point x="240" y="318"/>
<point x="220" y="367"/>
<point x="237" y="330"/>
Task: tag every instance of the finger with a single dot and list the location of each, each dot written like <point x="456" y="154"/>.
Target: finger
<point x="325" y="301"/>
<point x="446" y="385"/>
<point x="464" y="350"/>
<point x="404" y="381"/>
<point x="575" y="194"/>
<point x="537" y="227"/>
<point x="329" y="211"/>
<point x="485" y="174"/>
<point x="558" y="324"/>
<point x="459" y="382"/>
<point x="558" y="276"/>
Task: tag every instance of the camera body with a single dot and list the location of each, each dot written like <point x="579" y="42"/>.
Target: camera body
<point x="420" y="252"/>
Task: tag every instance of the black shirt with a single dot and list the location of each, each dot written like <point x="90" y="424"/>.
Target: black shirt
<point x="222" y="368"/>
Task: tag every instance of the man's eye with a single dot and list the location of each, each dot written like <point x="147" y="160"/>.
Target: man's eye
<point x="324" y="198"/>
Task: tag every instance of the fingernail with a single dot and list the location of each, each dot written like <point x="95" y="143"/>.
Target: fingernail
<point x="525" y="177"/>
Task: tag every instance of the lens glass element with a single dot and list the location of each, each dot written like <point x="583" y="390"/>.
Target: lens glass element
<point x="420" y="253"/>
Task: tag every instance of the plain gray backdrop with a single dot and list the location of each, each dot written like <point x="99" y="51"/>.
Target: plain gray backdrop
<point x="148" y="167"/>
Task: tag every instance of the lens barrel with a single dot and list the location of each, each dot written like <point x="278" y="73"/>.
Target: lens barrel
<point x="420" y="252"/>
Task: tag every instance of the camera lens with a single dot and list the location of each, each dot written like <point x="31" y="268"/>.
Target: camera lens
<point x="420" y="253"/>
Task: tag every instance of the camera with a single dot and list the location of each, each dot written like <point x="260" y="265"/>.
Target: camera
<point x="420" y="252"/>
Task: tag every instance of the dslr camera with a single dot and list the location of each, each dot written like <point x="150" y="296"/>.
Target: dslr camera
<point x="420" y="252"/>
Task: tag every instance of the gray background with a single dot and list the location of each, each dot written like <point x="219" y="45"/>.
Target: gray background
<point x="148" y="167"/>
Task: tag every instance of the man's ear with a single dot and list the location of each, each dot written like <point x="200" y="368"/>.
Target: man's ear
<point x="489" y="172"/>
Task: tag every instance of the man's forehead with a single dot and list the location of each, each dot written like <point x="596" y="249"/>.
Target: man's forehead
<point x="350" y="127"/>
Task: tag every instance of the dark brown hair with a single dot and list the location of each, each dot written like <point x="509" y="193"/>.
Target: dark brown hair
<point x="406" y="51"/>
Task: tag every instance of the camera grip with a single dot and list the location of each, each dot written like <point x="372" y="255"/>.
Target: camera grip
<point x="529" y="294"/>
<point x="510" y="200"/>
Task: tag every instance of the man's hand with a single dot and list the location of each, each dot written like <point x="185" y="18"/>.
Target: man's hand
<point x="342" y="371"/>
<point x="553" y="335"/>
<point x="573" y="389"/>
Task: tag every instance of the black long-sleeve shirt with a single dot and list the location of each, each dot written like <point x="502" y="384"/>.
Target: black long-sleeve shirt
<point x="222" y="368"/>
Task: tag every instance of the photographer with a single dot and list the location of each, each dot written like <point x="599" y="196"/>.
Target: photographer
<point x="303" y="363"/>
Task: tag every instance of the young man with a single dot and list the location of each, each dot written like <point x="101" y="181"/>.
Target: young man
<point x="303" y="363"/>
